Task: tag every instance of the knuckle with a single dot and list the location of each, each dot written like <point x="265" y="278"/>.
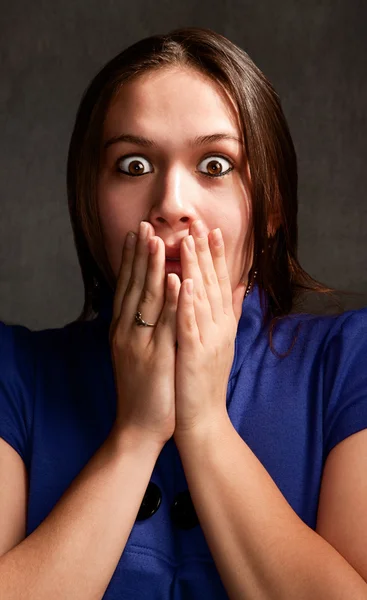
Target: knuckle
<point x="201" y="292"/>
<point x="135" y="282"/>
<point x="222" y="277"/>
<point x="210" y="278"/>
<point x="117" y="339"/>
<point x="149" y="296"/>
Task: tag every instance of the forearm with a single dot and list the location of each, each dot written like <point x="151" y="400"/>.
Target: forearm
<point x="75" y="550"/>
<point x="262" y="549"/>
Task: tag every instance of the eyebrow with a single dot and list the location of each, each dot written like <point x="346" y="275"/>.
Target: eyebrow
<point x="200" y="140"/>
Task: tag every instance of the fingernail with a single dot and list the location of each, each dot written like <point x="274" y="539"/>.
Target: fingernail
<point x="130" y="239"/>
<point x="143" y="230"/>
<point x="199" y="228"/>
<point x="217" y="235"/>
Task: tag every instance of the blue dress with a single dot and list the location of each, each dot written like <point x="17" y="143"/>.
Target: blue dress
<point x="58" y="404"/>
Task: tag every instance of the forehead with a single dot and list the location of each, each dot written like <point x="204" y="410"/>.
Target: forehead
<point x="172" y="99"/>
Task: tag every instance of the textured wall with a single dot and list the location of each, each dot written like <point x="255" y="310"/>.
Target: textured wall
<point x="314" y="53"/>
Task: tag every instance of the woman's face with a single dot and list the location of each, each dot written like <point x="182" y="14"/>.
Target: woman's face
<point x="174" y="181"/>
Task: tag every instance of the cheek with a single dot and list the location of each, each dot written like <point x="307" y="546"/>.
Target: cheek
<point x="236" y="251"/>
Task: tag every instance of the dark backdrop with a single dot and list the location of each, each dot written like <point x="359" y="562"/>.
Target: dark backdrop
<point x="314" y="53"/>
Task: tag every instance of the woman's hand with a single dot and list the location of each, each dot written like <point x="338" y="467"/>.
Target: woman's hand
<point x="144" y="357"/>
<point x="207" y="324"/>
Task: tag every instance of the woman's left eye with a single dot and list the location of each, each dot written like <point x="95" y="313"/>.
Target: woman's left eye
<point x="135" y="164"/>
<point x="215" y="167"/>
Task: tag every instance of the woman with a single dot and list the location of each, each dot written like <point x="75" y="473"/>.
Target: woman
<point x="175" y="446"/>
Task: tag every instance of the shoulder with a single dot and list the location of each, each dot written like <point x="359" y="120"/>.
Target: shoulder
<point x="345" y="336"/>
<point x="355" y="323"/>
<point x="333" y="351"/>
<point x="344" y="372"/>
<point x="21" y="347"/>
<point x="15" y="346"/>
<point x="17" y="383"/>
<point x="329" y="330"/>
<point x="320" y="344"/>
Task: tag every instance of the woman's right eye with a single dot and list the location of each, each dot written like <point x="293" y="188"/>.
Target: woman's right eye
<point x="133" y="166"/>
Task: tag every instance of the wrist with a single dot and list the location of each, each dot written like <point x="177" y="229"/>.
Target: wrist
<point x="123" y="438"/>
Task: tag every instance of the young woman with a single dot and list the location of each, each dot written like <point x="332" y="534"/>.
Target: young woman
<point x="191" y="434"/>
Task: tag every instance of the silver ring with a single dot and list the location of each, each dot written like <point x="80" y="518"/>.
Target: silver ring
<point x="141" y="322"/>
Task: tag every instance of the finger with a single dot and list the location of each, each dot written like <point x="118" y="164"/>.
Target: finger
<point x="221" y="269"/>
<point x="188" y="334"/>
<point x="152" y="296"/>
<point x="134" y="274"/>
<point x="208" y="272"/>
<point x="123" y="278"/>
<point x="166" y="328"/>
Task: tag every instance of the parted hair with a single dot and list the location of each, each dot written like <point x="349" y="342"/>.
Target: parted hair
<point x="268" y="146"/>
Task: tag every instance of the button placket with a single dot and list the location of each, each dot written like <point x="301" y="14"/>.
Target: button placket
<point x="182" y="512"/>
<point x="151" y="502"/>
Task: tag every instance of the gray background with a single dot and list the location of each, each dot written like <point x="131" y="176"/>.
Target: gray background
<point x="313" y="52"/>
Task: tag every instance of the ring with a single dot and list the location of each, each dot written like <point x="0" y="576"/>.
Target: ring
<point x="140" y="321"/>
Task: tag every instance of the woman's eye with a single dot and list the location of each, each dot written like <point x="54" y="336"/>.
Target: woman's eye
<point x="214" y="166"/>
<point x="133" y="166"/>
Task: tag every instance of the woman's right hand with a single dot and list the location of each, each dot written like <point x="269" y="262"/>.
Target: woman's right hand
<point x="143" y="358"/>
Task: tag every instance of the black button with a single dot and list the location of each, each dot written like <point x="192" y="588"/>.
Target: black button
<point x="183" y="512"/>
<point x="151" y="502"/>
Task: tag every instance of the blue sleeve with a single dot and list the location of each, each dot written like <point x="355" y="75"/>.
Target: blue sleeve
<point x="16" y="388"/>
<point x="345" y="379"/>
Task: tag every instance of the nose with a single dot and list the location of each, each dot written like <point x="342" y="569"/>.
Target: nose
<point x="174" y="203"/>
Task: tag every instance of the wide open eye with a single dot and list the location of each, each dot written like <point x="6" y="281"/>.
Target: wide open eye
<point x="215" y="166"/>
<point x="133" y="166"/>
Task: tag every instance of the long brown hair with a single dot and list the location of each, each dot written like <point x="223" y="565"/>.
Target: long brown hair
<point x="269" y="150"/>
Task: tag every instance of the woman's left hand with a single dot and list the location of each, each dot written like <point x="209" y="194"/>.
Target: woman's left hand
<point x="207" y="324"/>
